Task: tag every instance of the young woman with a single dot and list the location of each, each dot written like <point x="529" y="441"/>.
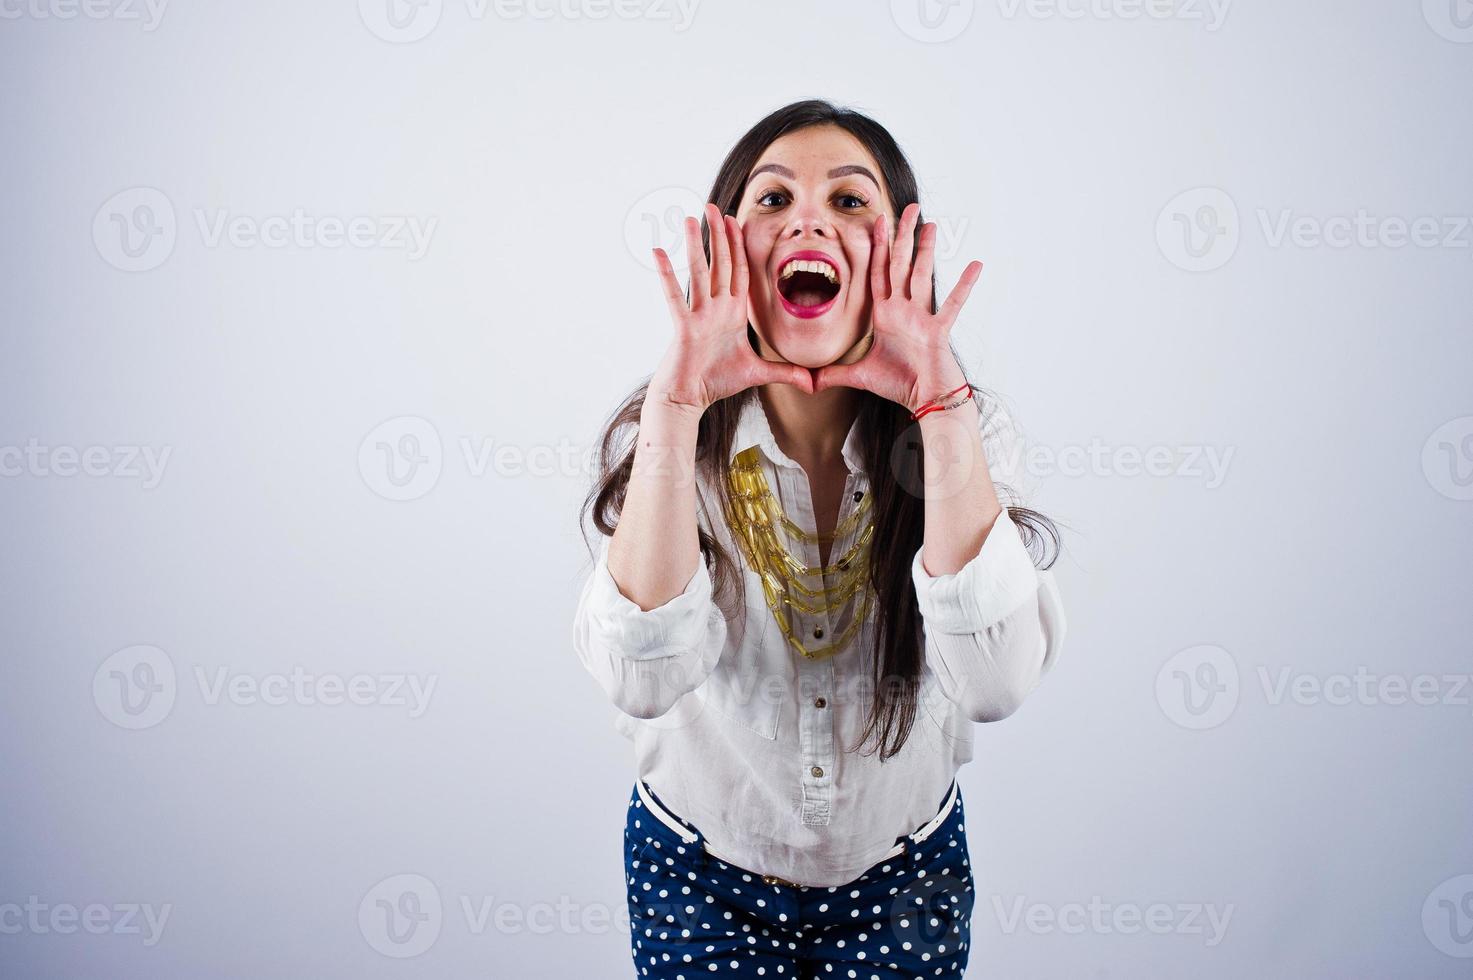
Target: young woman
<point x="804" y="546"/>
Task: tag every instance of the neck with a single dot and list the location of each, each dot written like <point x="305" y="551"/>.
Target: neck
<point x="810" y="428"/>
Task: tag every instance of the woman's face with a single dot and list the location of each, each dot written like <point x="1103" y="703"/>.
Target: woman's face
<point x="813" y="195"/>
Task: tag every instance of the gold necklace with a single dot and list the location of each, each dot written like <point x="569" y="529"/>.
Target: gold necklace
<point x="754" y="517"/>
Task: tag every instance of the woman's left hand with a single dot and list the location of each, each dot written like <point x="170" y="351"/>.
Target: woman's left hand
<point x="909" y="360"/>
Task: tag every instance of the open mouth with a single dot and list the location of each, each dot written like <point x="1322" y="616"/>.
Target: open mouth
<point x="808" y="284"/>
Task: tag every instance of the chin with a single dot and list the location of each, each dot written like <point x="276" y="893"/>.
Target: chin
<point x="810" y="346"/>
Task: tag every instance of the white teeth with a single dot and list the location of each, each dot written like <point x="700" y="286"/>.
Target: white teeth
<point x="799" y="265"/>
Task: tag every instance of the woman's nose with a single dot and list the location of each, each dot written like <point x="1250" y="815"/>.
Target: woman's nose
<point x="810" y="226"/>
<point x="809" y="222"/>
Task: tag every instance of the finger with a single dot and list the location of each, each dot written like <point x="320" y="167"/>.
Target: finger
<point x="720" y="251"/>
<point x="904" y="248"/>
<point x="841" y="376"/>
<point x="953" y="305"/>
<point x="741" y="277"/>
<point x="879" y="283"/>
<point x="671" y="286"/>
<point x="767" y="372"/>
<point x="920" y="276"/>
<point x="700" y="282"/>
<point x="797" y="376"/>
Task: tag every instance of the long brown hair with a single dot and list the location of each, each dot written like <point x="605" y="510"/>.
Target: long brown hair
<point x="890" y="444"/>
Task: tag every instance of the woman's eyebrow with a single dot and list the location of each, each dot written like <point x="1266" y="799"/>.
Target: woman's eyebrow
<point x="848" y="168"/>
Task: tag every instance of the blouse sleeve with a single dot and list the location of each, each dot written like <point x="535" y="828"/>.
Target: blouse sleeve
<point x="995" y="626"/>
<point x="646" y="660"/>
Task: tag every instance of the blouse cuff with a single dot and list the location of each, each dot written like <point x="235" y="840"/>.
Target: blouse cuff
<point x="675" y="627"/>
<point x="995" y="582"/>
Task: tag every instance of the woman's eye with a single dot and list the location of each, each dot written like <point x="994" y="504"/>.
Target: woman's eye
<point x="847" y="201"/>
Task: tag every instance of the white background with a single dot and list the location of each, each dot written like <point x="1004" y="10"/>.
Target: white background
<point x="541" y="153"/>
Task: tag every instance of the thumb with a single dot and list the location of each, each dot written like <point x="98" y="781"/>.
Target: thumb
<point x="781" y="371"/>
<point x="790" y="374"/>
<point x="838" y="376"/>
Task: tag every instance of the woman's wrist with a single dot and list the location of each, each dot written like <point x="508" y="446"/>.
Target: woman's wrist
<point x="935" y="388"/>
<point x="671" y="408"/>
<point x="666" y="446"/>
<point x="965" y="413"/>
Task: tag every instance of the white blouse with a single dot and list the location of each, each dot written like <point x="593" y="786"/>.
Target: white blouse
<point x="751" y="742"/>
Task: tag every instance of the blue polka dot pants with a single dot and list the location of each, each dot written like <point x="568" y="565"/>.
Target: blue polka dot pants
<point x="693" y="915"/>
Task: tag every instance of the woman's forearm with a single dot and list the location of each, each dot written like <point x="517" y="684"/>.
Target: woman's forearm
<point x="655" y="548"/>
<point x="961" y="502"/>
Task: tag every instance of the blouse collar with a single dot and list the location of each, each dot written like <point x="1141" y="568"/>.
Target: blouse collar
<point x="753" y="429"/>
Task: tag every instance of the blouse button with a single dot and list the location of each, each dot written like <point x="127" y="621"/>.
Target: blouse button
<point x="818" y="632"/>
<point x="819" y="702"/>
<point x="858" y="494"/>
<point x="817" y="770"/>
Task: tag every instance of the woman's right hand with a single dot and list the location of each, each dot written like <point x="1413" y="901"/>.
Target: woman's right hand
<point x="710" y="357"/>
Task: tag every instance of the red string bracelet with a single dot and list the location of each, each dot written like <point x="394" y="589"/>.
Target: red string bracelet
<point x="934" y="406"/>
